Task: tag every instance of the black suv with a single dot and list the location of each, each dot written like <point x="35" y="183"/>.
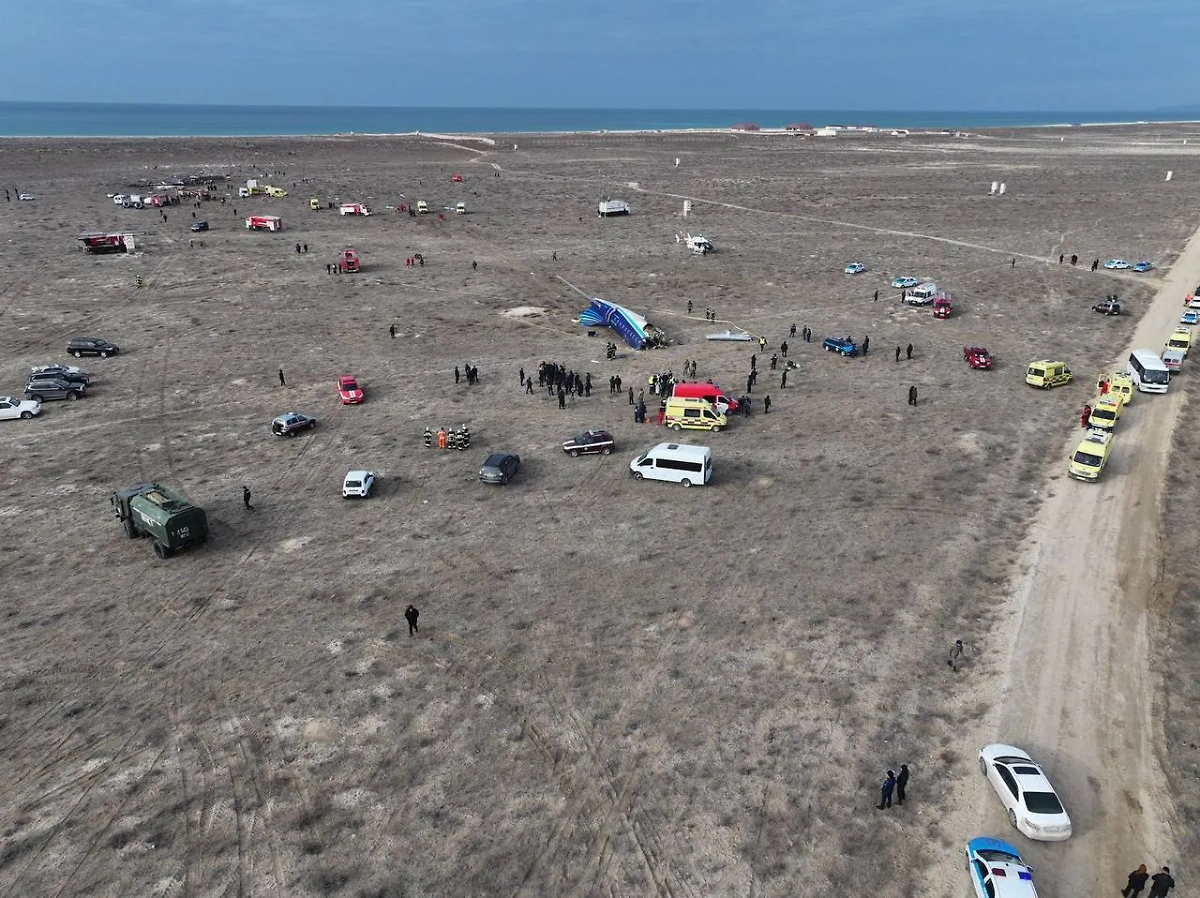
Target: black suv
<point x="500" y="468"/>
<point x="57" y="372"/>
<point x="82" y="346"/>
<point x="53" y="389"/>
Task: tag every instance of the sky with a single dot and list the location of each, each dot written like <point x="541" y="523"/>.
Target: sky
<point x="1023" y="55"/>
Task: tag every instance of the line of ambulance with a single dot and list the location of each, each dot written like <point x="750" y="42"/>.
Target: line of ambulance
<point x="1114" y="391"/>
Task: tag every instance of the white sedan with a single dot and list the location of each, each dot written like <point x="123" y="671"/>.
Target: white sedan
<point x="1033" y="805"/>
<point x="14" y="407"/>
<point x="855" y="268"/>
<point x="903" y="283"/>
<point x="1116" y="264"/>
<point x="358" y="483"/>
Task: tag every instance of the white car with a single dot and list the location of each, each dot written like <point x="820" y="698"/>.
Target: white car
<point x="14" y="407"/>
<point x="26" y="196"/>
<point x="358" y="483"/>
<point x="903" y="283"/>
<point x="855" y="268"/>
<point x="1116" y="264"/>
<point x="1033" y="805"/>
<point x="120" y="199"/>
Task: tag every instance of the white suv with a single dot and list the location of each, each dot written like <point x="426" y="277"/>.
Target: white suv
<point x="15" y="407"/>
<point x="358" y="483"/>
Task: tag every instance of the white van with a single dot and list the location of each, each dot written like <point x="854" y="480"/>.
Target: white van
<point x="676" y="462"/>
<point x="922" y="294"/>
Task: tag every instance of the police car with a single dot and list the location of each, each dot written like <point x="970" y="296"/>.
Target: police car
<point x="998" y="871"/>
<point x="855" y="268"/>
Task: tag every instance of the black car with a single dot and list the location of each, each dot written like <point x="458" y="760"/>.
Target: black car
<point x="71" y="377"/>
<point x="53" y="389"/>
<point x="500" y="468"/>
<point x="592" y="441"/>
<point x="62" y="372"/>
<point x="291" y="423"/>
<point x="199" y="225"/>
<point x="81" y="346"/>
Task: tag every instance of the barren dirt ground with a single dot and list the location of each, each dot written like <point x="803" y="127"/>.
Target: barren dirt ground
<point x="619" y="688"/>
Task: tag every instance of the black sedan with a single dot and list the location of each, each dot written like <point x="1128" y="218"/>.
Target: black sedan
<point x="590" y="443"/>
<point x="199" y="225"/>
<point x="53" y="389"/>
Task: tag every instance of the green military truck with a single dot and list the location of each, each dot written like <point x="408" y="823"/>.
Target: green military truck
<point x="154" y="511"/>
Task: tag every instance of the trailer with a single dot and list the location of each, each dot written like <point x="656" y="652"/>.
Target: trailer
<point x="103" y="244"/>
<point x="612" y="207"/>
<point x="354" y="209"/>
<point x="348" y="261"/>
<point x="264" y="223"/>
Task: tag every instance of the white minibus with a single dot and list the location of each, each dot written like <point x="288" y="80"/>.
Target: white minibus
<point x="1148" y="372"/>
<point x="677" y="462"/>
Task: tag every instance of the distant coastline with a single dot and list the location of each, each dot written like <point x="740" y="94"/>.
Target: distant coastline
<point x="131" y="121"/>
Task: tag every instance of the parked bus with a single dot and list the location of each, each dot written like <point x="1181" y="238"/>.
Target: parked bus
<point x="1148" y="372"/>
<point x="678" y="463"/>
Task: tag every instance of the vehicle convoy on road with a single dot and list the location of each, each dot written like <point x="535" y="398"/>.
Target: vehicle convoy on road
<point x="1046" y="374"/>
<point x="153" y="511"/>
<point x="1091" y="455"/>
<point x="291" y="423"/>
<point x="1181" y="339"/>
<point x="1110" y="306"/>
<point x="1034" y="808"/>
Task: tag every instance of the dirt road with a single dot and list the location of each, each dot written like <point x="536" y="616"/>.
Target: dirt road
<point x="1079" y="694"/>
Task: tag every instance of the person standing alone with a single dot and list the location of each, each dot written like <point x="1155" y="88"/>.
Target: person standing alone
<point x="246" y="498"/>
<point x="411" y="614"/>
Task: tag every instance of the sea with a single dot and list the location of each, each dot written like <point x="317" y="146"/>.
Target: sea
<point x="22" y="119"/>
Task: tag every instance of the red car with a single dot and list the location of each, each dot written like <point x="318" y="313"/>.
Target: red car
<point x="978" y="357"/>
<point x="456" y="179"/>
<point x="349" y="390"/>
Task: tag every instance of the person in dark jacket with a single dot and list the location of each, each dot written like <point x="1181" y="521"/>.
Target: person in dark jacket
<point x="411" y="614"/>
<point x="1136" y="882"/>
<point x="1161" y="883"/>
<point x="885" y="792"/>
<point x="901" y="783"/>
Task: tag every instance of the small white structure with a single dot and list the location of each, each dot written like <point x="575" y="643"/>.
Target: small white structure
<point x="687" y="207"/>
<point x="995" y="187"/>
<point x="1003" y="187"/>
<point x="825" y="132"/>
<point x="608" y="207"/>
<point x="1170" y="174"/>
<point x="677" y="159"/>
